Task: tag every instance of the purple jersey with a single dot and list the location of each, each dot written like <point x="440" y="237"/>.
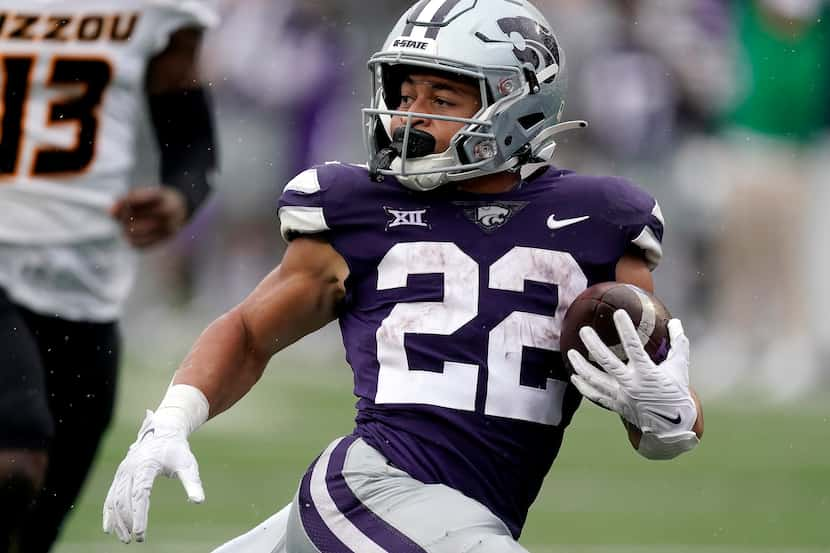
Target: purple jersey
<point x="453" y="311"/>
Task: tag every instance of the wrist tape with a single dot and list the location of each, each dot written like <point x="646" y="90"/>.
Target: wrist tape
<point x="183" y="406"/>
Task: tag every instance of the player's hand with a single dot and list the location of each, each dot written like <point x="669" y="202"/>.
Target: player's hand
<point x="161" y="448"/>
<point x="654" y="398"/>
<point x="150" y="214"/>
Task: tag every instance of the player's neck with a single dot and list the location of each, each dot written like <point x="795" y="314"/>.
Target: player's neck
<point x="491" y="184"/>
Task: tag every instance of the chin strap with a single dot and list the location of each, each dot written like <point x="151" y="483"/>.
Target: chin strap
<point x="418" y="144"/>
<point x="382" y="161"/>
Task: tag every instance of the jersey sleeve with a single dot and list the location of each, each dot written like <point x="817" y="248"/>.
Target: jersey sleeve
<point x="638" y="216"/>
<point x="301" y="208"/>
<point x="173" y="15"/>
<point x="650" y="238"/>
<point x="322" y="200"/>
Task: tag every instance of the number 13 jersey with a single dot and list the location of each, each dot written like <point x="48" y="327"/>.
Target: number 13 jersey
<point x="453" y="311"/>
<point x="72" y="86"/>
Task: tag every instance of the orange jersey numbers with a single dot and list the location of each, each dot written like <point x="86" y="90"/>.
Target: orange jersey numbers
<point x="16" y="73"/>
<point x="33" y="27"/>
<point x="83" y="82"/>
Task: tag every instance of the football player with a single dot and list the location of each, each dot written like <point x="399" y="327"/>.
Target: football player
<point x="73" y="77"/>
<point x="449" y="262"/>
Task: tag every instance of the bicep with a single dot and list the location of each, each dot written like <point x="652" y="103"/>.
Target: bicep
<point x="298" y="297"/>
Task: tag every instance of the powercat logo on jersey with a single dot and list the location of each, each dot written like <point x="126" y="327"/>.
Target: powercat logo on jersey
<point x="89" y="27"/>
<point x="490" y="217"/>
<point x="406" y="218"/>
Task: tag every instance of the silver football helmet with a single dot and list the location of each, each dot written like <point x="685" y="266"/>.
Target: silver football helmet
<point x="508" y="48"/>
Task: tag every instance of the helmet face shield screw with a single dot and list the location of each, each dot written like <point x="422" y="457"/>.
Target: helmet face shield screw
<point x="485" y="150"/>
<point x="506" y="87"/>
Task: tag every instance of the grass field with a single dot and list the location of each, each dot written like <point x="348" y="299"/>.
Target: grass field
<point x="760" y="483"/>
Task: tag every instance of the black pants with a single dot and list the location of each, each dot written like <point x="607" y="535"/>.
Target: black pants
<point x="57" y="391"/>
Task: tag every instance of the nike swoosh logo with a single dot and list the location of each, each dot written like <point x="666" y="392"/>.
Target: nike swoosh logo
<point x="554" y="223"/>
<point x="149" y="431"/>
<point x="675" y="420"/>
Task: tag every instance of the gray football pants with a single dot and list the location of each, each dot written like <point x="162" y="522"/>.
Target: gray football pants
<point x="352" y="500"/>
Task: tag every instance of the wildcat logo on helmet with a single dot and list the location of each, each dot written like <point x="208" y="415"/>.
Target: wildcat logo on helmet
<point x="541" y="49"/>
<point x="490" y="217"/>
<point x="532" y="42"/>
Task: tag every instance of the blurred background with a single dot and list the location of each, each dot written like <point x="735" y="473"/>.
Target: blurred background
<point x="720" y="109"/>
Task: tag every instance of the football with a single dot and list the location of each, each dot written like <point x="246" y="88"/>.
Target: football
<point x="595" y="307"/>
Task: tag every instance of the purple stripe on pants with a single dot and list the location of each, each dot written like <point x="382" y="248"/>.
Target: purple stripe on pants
<point x="316" y="529"/>
<point x="377" y="529"/>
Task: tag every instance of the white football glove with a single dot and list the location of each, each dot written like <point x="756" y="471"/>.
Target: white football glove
<point x="654" y="398"/>
<point x="161" y="448"/>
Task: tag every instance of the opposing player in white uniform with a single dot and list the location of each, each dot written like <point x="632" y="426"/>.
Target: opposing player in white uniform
<point x="74" y="75"/>
<point x="449" y="263"/>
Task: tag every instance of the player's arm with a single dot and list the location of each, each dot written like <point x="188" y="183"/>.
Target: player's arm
<point x="298" y="297"/>
<point x="634" y="388"/>
<point x="182" y="121"/>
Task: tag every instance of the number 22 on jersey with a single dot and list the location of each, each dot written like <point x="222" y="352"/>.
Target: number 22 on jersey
<point x="77" y="85"/>
<point x="455" y="387"/>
